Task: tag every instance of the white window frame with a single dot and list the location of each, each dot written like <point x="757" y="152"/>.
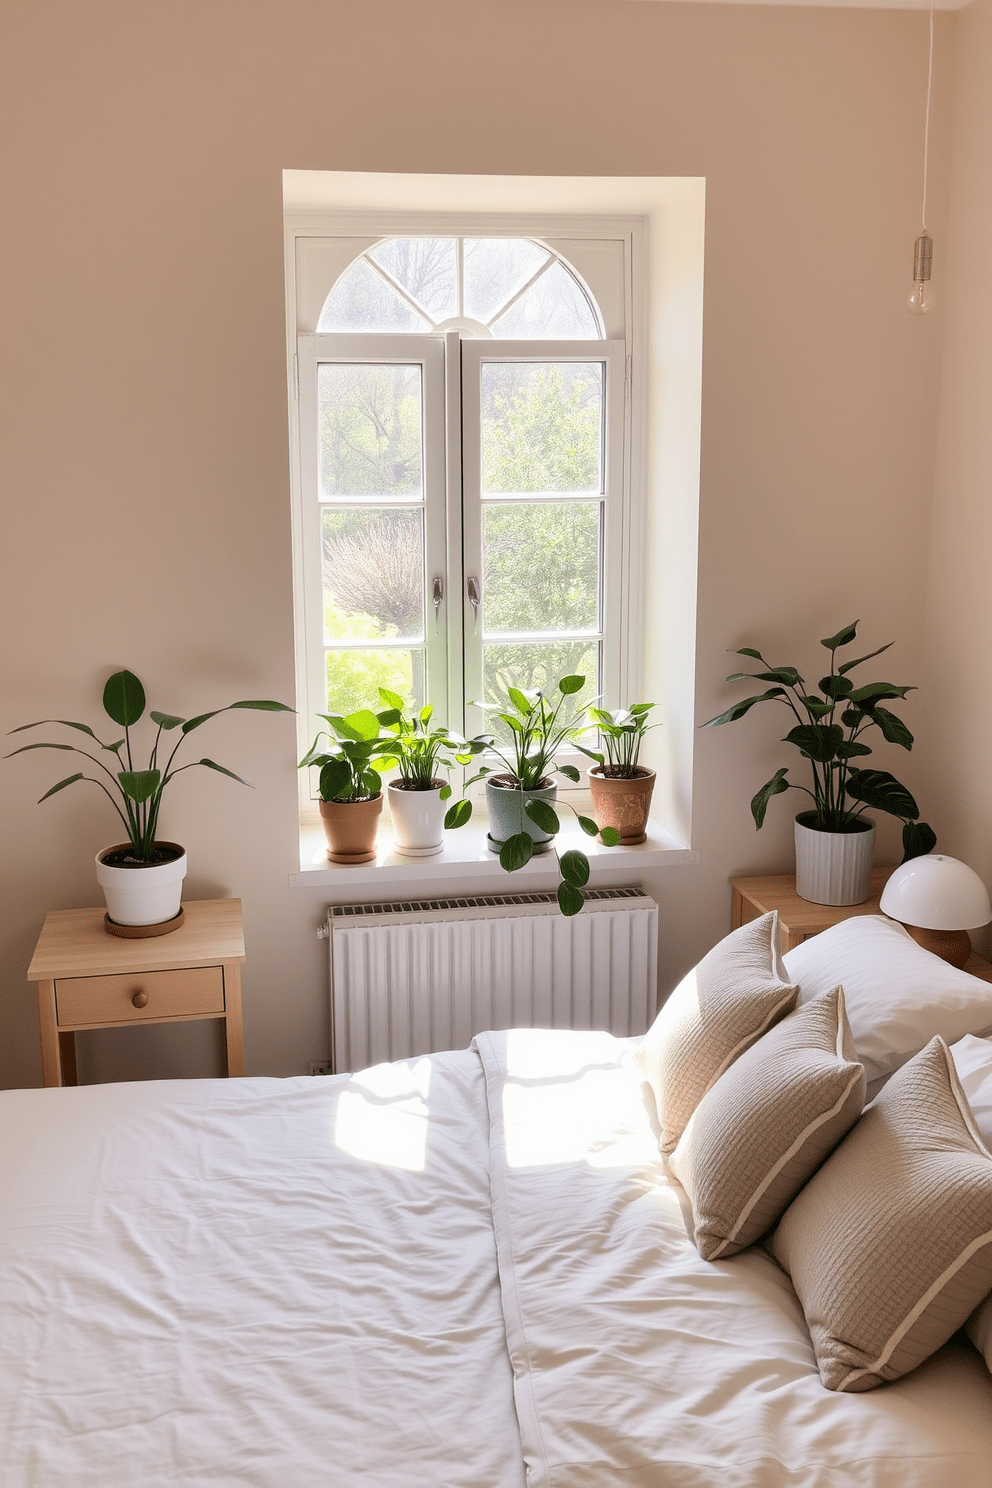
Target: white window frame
<point x="336" y="242"/>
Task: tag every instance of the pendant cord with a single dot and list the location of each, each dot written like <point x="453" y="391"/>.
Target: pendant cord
<point x="926" y="127"/>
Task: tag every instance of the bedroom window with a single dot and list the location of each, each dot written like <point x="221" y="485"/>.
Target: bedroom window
<point x="462" y="504"/>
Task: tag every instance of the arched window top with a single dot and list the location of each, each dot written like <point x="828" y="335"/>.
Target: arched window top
<point x="509" y="288"/>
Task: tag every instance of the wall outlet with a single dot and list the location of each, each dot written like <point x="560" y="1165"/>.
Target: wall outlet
<point x="319" y="1067"/>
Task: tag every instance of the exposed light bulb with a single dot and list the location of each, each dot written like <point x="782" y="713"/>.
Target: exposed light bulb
<point x="921" y="297"/>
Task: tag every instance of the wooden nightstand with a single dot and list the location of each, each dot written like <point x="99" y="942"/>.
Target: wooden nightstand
<point x="799" y="918"/>
<point x="86" y="978"/>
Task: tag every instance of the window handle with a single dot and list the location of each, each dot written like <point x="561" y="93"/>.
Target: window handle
<point x="437" y="594"/>
<point x="475" y="599"/>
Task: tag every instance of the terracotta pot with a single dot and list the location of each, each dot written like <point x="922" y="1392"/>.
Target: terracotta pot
<point x="418" y="819"/>
<point x="507" y="816"/>
<point x="620" y="803"/>
<point x="142" y="893"/>
<point x="350" y="828"/>
<point x="833" y="867"/>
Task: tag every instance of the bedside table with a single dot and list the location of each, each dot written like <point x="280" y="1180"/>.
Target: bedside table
<point x="799" y="918"/>
<point x="86" y="978"/>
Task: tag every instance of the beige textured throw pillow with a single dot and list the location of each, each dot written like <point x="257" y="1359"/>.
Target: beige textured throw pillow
<point x="767" y="1124"/>
<point x="889" y="1245"/>
<point x="731" y="998"/>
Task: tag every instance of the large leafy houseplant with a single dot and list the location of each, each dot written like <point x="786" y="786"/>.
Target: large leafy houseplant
<point x="621" y="787"/>
<point x="136" y="792"/>
<point x="537" y="731"/>
<point x="420" y="751"/>
<point x="831" y="721"/>
<point x="350" y="754"/>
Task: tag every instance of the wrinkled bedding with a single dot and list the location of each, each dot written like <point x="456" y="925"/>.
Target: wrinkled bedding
<point x="470" y="1270"/>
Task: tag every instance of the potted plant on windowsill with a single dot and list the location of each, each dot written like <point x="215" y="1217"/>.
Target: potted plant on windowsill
<point x="417" y="797"/>
<point x="834" y="840"/>
<point x="350" y="782"/>
<point x="621" y="788"/>
<point x="141" y="878"/>
<point x="522" y="819"/>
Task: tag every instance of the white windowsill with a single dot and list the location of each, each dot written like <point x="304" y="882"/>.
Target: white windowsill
<point x="465" y="860"/>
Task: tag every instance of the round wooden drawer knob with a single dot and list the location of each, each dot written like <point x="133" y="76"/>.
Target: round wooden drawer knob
<point x="139" y="999"/>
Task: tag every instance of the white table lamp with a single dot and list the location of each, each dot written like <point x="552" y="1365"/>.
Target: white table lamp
<point x="938" y="899"/>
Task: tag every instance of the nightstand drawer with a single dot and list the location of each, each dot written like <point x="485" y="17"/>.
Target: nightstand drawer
<point x="144" y="995"/>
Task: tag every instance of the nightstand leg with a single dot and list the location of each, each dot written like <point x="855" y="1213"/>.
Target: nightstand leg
<point x="51" y="1061"/>
<point x="233" y="1030"/>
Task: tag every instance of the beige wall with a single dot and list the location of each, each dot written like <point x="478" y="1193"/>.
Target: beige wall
<point x="143" y="422"/>
<point x="958" y="691"/>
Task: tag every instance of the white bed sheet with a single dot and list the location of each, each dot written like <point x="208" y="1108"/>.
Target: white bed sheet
<point x="639" y="1365"/>
<point x="253" y="1284"/>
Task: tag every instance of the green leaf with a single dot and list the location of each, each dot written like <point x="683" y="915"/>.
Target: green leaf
<point x="878" y="690"/>
<point x="69" y="780"/>
<point x="574" y="867"/>
<point x="570" y="900"/>
<point x="192" y="723"/>
<point x="263" y="705"/>
<point x="842" y="638"/>
<point x="458" y="815"/>
<point x="520" y="701"/>
<point x="773" y="787"/>
<point x="335" y="780"/>
<point x="816" y="707"/>
<point x="140" y="785"/>
<point x="390" y="717"/>
<point x="544" y="816"/>
<point x="850" y="665"/>
<point x="610" y="837"/>
<point x="848" y="750"/>
<point x="739" y="709"/>
<point x="23" y="749"/>
<point x="749" y="651"/>
<point x="788" y="676"/>
<point x="588" y="826"/>
<point x="66" y="723"/>
<point x="894" y="731"/>
<point x="918" y="839"/>
<point x="569" y="772"/>
<point x="444" y="793"/>
<point x="222" y="770"/>
<point x="516" y="851"/>
<point x="593" y="754"/>
<point x="392" y="698"/>
<point x="882" y="792"/>
<point x="425" y="714"/>
<point x="836" y="687"/>
<point x="569" y="685"/>
<point x="817" y="740"/>
<point x="124" y="698"/>
<point x="165" y="720"/>
<point x="362" y="726"/>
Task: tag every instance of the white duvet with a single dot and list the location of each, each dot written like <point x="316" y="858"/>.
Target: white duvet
<point x="465" y="1270"/>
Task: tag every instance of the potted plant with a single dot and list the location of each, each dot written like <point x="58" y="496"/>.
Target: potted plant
<point x="141" y="878"/>
<point x="417" y="797"/>
<point x="522" y="820"/>
<point x="350" y="782"/>
<point x="620" y="787"/>
<point x="834" y="840"/>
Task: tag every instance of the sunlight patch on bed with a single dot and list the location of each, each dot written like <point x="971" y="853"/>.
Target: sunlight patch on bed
<point x="382" y="1115"/>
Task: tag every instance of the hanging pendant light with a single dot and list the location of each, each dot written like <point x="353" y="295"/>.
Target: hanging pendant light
<point x="921" y="297"/>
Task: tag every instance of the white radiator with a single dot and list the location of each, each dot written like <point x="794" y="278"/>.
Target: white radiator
<point x="412" y="978"/>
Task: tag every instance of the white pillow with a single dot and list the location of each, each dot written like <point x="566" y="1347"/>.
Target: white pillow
<point x="898" y="996"/>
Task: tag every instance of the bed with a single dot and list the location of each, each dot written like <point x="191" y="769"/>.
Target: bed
<point x="473" y="1269"/>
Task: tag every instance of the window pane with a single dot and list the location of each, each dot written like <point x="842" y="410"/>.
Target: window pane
<point x="371" y="439"/>
<point x="542" y="426"/>
<point x="354" y="678"/>
<point x="426" y="268"/>
<point x="363" y="301"/>
<point x="495" y="268"/>
<point x="541" y="565"/>
<point x="555" y="307"/>
<point x="539" y="665"/>
<point x="373" y="566"/>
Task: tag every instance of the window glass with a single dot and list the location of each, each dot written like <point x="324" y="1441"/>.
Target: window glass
<point x="555" y="307"/>
<point x="362" y="300"/>
<point x="371" y="430"/>
<point x="496" y="269"/>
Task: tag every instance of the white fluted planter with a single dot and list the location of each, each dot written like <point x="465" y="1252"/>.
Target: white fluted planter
<point x="833" y="867"/>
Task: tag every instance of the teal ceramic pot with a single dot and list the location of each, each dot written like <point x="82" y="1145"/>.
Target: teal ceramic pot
<point x="507" y="816"/>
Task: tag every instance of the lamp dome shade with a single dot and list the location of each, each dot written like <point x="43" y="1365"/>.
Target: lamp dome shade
<point x="936" y="893"/>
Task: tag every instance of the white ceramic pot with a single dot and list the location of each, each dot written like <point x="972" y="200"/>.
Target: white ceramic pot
<point x="143" y="893"/>
<point x="833" y="867"/>
<point x="418" y="819"/>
